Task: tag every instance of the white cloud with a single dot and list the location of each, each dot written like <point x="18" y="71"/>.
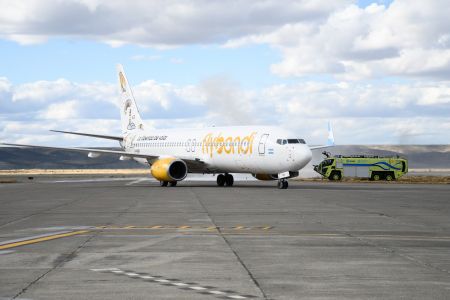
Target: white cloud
<point x="61" y="111"/>
<point x="408" y="38"/>
<point x="415" y="112"/>
<point x="152" y="23"/>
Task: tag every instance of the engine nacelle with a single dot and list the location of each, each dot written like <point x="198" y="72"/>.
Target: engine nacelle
<point x="265" y="176"/>
<point x="169" y="169"/>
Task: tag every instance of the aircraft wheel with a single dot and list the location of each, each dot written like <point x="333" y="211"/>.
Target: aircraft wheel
<point x="163" y="183"/>
<point x="229" y="180"/>
<point x="221" y="180"/>
<point x="173" y="183"/>
<point x="283" y="184"/>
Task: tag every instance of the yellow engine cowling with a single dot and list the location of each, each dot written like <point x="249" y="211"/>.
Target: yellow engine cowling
<point x="265" y="176"/>
<point x="169" y="169"/>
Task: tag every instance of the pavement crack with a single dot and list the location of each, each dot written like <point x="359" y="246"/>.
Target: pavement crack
<point x="239" y="259"/>
<point x="398" y="253"/>
<point x="60" y="262"/>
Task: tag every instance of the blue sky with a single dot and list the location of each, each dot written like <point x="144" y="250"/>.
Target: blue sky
<point x="378" y="67"/>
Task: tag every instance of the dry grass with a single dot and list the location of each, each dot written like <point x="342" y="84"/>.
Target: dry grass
<point x="8" y="180"/>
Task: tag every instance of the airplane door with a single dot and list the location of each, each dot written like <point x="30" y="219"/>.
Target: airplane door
<point x="262" y="144"/>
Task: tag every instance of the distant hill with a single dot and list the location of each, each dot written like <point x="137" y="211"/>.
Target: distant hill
<point x="420" y="156"/>
<point x="28" y="158"/>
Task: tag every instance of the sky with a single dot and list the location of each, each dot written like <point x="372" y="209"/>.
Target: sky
<point x="378" y="70"/>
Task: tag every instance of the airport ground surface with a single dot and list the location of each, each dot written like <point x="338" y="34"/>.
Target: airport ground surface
<point x="131" y="239"/>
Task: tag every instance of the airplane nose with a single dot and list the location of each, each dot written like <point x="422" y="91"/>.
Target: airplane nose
<point x="304" y="156"/>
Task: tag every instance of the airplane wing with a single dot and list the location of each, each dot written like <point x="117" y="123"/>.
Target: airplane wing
<point x="196" y="165"/>
<point x="320" y="147"/>
<point x="330" y="140"/>
<point x="118" y="152"/>
<point x="108" y="137"/>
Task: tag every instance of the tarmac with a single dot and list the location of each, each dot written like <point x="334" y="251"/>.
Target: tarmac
<point x="128" y="238"/>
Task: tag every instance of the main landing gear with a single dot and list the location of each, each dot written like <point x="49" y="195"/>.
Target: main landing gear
<point x="225" y="179"/>
<point x="167" y="183"/>
<point x="283" y="184"/>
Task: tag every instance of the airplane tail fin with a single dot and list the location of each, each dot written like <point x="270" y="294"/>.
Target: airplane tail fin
<point x="330" y="140"/>
<point x="129" y="112"/>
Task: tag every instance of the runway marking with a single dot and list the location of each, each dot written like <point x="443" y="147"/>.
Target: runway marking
<point x="187" y="227"/>
<point x="138" y="181"/>
<point x="38" y="239"/>
<point x="176" y="283"/>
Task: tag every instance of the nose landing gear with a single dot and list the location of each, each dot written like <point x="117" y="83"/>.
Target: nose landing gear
<point x="225" y="180"/>
<point x="283" y="184"/>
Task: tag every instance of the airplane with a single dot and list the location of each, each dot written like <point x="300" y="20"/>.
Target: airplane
<point x="266" y="152"/>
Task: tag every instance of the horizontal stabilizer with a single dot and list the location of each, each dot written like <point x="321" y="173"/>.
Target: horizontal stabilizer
<point x="108" y="137"/>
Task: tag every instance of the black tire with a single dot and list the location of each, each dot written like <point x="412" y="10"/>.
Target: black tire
<point x="173" y="183"/>
<point x="335" y="176"/>
<point x="389" y="177"/>
<point x="220" y="180"/>
<point x="229" y="180"/>
<point x="280" y="184"/>
<point x="163" y="183"/>
<point x="375" y="176"/>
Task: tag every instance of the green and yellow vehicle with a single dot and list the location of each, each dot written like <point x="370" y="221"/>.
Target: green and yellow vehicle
<point x="362" y="166"/>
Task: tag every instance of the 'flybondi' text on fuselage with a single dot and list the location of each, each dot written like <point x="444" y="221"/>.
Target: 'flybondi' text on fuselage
<point x="227" y="145"/>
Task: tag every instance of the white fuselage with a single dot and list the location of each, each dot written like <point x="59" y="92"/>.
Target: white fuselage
<point x="237" y="149"/>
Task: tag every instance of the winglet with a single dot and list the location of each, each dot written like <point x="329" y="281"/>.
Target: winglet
<point x="330" y="140"/>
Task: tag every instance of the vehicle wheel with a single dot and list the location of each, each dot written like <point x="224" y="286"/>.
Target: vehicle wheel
<point x="220" y="180"/>
<point x="229" y="180"/>
<point x="335" y="176"/>
<point x="389" y="177"/>
<point x="173" y="183"/>
<point x="285" y="184"/>
<point x="376" y="177"/>
<point x="163" y="183"/>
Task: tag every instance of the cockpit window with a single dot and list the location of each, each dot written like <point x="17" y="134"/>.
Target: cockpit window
<point x="296" y="141"/>
<point x="282" y="142"/>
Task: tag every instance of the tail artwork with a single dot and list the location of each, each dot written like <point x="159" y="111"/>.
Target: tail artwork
<point x="129" y="113"/>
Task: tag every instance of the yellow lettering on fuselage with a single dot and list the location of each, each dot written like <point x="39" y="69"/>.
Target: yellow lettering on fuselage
<point x="227" y="145"/>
